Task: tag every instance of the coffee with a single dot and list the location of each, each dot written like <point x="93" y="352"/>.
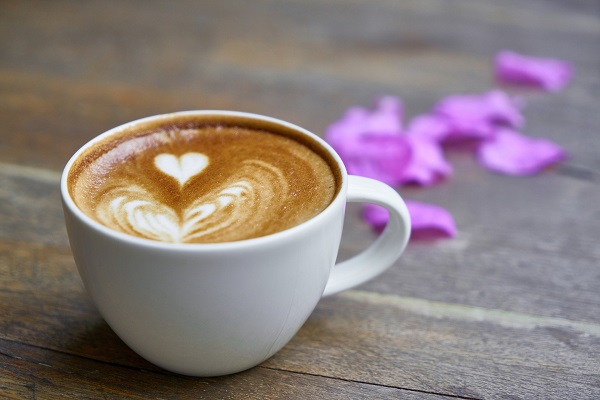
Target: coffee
<point x="203" y="179"/>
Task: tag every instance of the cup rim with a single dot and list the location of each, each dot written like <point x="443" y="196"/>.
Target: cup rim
<point x="69" y="203"/>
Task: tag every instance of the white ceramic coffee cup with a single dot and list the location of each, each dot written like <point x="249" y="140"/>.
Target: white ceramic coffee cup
<point x="215" y="309"/>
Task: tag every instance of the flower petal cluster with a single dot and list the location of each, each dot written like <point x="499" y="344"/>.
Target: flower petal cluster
<point x="376" y="143"/>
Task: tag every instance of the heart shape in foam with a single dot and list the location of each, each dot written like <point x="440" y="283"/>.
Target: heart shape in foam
<point x="181" y="168"/>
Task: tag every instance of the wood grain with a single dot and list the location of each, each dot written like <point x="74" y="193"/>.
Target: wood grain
<point x="524" y="262"/>
<point x="33" y="373"/>
<point x="359" y="336"/>
<point x="57" y="319"/>
<point x="298" y="62"/>
<point x="507" y="310"/>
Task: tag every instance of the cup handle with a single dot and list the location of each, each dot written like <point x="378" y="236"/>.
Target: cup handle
<point x="386" y="249"/>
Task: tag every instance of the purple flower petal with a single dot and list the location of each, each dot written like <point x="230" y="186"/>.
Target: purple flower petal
<point x="376" y="216"/>
<point x="385" y="118"/>
<point x="476" y="116"/>
<point x="344" y="134"/>
<point x="370" y="142"/>
<point x="428" y="221"/>
<point x="502" y="109"/>
<point x="381" y="157"/>
<point x="427" y="164"/>
<point x="546" y="73"/>
<point x="431" y="126"/>
<point x="512" y="153"/>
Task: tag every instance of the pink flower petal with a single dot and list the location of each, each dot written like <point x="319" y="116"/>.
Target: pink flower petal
<point x="376" y="216"/>
<point x="503" y="109"/>
<point x="381" y="157"/>
<point x="386" y="117"/>
<point x="370" y="141"/>
<point x="344" y="134"/>
<point x="476" y="116"/>
<point x="427" y="164"/>
<point x="428" y="221"/>
<point x="430" y="126"/>
<point x="512" y="153"/>
<point x="546" y="73"/>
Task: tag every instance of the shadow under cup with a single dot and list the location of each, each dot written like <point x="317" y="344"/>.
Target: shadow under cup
<point x="218" y="308"/>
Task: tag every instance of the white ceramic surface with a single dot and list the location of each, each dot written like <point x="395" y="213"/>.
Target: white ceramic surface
<point x="215" y="309"/>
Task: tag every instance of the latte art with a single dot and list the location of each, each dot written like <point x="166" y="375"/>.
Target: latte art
<point x="204" y="185"/>
<point x="181" y="168"/>
<point x="133" y="210"/>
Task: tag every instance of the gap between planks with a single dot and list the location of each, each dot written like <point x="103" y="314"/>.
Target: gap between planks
<point x="165" y="373"/>
<point x="371" y="383"/>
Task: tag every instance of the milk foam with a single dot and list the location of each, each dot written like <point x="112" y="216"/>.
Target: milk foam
<point x="132" y="209"/>
<point x="183" y="167"/>
<point x="229" y="184"/>
<point x="153" y="220"/>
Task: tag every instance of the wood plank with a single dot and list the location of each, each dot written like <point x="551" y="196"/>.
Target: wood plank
<point x="60" y="317"/>
<point x="49" y="118"/>
<point x="34" y="373"/>
<point x="524" y="244"/>
<point x="203" y="27"/>
<point x="522" y="262"/>
<point x="386" y="340"/>
<point x="508" y="309"/>
<point x="467" y="351"/>
<point x="281" y="68"/>
<point x="358" y="329"/>
<point x="30" y="207"/>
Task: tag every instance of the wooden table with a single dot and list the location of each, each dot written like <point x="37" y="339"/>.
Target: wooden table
<point x="508" y="309"/>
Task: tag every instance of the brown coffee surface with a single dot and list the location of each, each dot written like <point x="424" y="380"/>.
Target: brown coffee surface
<point x="203" y="182"/>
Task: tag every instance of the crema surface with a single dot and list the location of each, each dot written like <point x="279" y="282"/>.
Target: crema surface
<point x="202" y="184"/>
